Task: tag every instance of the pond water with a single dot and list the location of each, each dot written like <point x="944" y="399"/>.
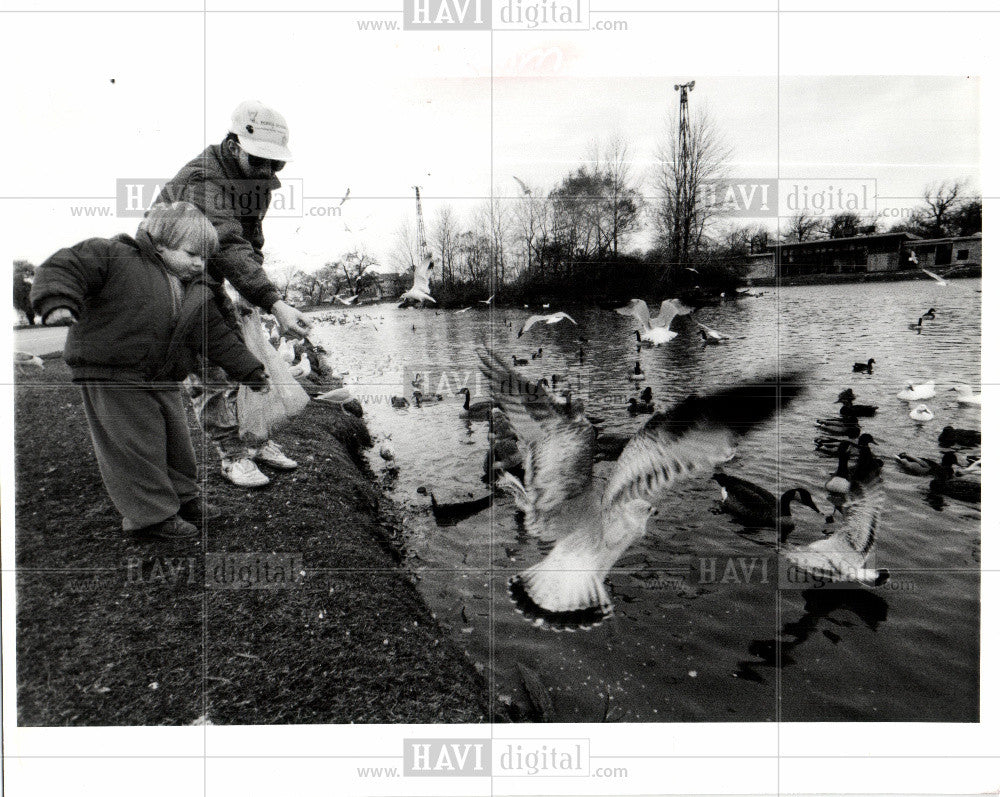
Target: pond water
<point x="700" y="630"/>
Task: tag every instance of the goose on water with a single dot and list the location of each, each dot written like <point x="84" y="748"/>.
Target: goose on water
<point x="478" y="411"/>
<point x="840" y="482"/>
<point x="917" y="326"/>
<point x="596" y="522"/>
<point x="519" y="360"/>
<point x="945" y="483"/>
<point x="913" y="392"/>
<point x="959" y="438"/>
<point x="868" y="465"/>
<point x="756" y="508"/>
<point x="921" y="413"/>
<point x="864" y="367"/>
<point x="843" y="556"/>
<point x="966" y="396"/>
<point x="637" y="372"/>
<point x="655" y="330"/>
<point x="929" y="315"/>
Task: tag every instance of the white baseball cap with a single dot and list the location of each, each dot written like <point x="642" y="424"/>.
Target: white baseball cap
<point x="262" y="131"/>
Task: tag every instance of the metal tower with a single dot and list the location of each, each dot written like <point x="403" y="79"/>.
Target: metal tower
<point x="685" y="205"/>
<point x="422" y="232"/>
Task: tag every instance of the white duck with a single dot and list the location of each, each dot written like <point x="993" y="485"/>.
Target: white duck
<point x="966" y="396"/>
<point x="921" y="414"/>
<point x="655" y="330"/>
<point x="595" y="521"/>
<point x="914" y="392"/>
<point x="843" y="556"/>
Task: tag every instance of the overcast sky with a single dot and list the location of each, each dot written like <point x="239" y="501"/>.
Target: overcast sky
<point x="378" y="119"/>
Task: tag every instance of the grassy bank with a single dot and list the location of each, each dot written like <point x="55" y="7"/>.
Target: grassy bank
<point x="114" y="632"/>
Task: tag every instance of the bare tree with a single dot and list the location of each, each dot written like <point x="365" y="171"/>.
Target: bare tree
<point x="443" y="235"/>
<point x="681" y="225"/>
<point x="355" y="264"/>
<point x="843" y="225"/>
<point x="613" y="166"/>
<point x="803" y="226"/>
<point x="284" y="276"/>
<point x="406" y="246"/>
<point x="941" y="201"/>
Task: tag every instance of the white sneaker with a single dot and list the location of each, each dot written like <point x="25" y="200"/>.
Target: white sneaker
<point x="243" y="473"/>
<point x="271" y="454"/>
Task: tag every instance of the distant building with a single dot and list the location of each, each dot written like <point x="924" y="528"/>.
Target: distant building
<point x="966" y="250"/>
<point x="881" y="253"/>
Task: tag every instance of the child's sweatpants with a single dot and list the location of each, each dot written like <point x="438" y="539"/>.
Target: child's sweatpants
<point x="143" y="449"/>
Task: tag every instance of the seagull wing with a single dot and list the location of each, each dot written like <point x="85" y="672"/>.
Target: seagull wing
<point x="934" y="277"/>
<point x="524" y="188"/>
<point x="669" y="309"/>
<point x="638" y="310"/>
<point x="697" y="434"/>
<point x="555" y="318"/>
<point x="532" y="320"/>
<point x="567" y="586"/>
<point x="421" y="276"/>
<point x="711" y="332"/>
<point x="557" y="448"/>
<point x="843" y="555"/>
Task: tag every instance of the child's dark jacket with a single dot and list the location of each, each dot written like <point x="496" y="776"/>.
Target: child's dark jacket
<point x="129" y="329"/>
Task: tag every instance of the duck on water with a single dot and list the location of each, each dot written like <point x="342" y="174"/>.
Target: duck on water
<point x="755" y="507"/>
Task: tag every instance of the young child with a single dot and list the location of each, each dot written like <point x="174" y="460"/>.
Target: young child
<point x="142" y="309"/>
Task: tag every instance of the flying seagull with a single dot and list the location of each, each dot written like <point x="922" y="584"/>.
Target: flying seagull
<point x="524" y="188"/>
<point x="843" y="556"/>
<point x="939" y="280"/>
<point x="421" y="290"/>
<point x="594" y="526"/>
<point x="551" y="318"/>
<point x="655" y="330"/>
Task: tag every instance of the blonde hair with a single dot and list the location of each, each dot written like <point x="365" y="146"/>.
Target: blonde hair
<point x="178" y="224"/>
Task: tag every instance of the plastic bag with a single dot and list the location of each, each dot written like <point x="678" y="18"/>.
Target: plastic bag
<point x="261" y="413"/>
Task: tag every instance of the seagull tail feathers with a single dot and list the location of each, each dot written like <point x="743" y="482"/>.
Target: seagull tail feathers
<point x="566" y="589"/>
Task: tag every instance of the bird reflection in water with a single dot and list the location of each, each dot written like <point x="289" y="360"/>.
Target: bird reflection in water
<point x="820" y="604"/>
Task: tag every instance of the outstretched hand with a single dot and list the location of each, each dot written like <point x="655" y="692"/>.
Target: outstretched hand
<point x="291" y="321"/>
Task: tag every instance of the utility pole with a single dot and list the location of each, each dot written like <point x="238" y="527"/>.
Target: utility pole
<point x="682" y="215"/>
<point x="422" y="232"/>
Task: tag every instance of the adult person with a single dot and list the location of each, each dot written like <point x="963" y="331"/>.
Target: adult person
<point x="232" y="183"/>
